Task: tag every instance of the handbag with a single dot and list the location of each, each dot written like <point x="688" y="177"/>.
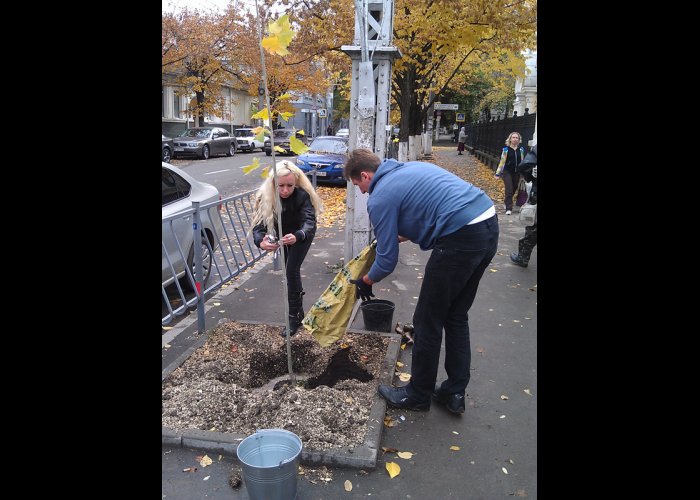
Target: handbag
<point x="528" y="214"/>
<point x="523" y="193"/>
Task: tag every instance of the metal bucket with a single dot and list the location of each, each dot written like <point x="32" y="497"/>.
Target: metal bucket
<point x="378" y="315"/>
<point x="270" y="464"/>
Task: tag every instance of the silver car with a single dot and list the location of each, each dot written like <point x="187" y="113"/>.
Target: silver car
<point x="179" y="190"/>
<point x="203" y="142"/>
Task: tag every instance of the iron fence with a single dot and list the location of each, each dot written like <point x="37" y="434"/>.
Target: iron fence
<point x="486" y="140"/>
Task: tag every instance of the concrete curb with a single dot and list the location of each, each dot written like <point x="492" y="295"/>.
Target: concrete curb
<point x="364" y="456"/>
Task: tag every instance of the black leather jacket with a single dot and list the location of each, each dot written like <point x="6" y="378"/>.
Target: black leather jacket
<point x="298" y="217"/>
<point x="525" y="168"/>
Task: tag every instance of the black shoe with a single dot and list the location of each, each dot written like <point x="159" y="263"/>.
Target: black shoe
<point x="518" y="260"/>
<point x="453" y="402"/>
<point x="398" y="397"/>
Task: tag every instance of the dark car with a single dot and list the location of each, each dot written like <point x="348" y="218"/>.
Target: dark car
<point x="167" y="151"/>
<point x="326" y="155"/>
<point x="282" y="136"/>
<point x="203" y="142"/>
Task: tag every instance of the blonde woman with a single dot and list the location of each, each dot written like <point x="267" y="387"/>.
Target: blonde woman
<point x="511" y="156"/>
<point x="300" y="206"/>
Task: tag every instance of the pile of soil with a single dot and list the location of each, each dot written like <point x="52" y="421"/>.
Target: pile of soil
<point x="238" y="382"/>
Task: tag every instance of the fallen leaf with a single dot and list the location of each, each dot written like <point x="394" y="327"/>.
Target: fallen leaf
<point x="205" y="460"/>
<point x="167" y="346"/>
<point x="405" y="377"/>
<point x="217" y="303"/>
<point x="393" y="469"/>
<point x="399" y="364"/>
<point x="454" y="448"/>
<point x="510" y="461"/>
<point x="504" y="397"/>
<point x="167" y="327"/>
<point x="389" y="450"/>
<point x="406" y="455"/>
<point x="455" y="432"/>
<point x="190" y="469"/>
<point x="220" y="457"/>
<point x="348" y="400"/>
<point x="493" y="270"/>
<point x="505" y="471"/>
<point x="206" y="478"/>
<point x="502" y="416"/>
<point x="516" y="321"/>
<point x="212" y="430"/>
<point x="527" y="391"/>
<point x="389" y="422"/>
<point x="348" y="485"/>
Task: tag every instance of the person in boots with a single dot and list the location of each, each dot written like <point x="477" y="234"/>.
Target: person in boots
<point x="434" y="208"/>
<point x="300" y="206"/>
<point x="528" y="169"/>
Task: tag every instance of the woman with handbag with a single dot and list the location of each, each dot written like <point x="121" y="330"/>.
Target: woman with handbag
<point x="511" y="156"/>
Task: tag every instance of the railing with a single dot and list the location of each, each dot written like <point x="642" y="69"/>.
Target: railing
<point x="486" y="140"/>
<point x="225" y="234"/>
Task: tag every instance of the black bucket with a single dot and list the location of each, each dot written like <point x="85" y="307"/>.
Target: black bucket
<point x="378" y="315"/>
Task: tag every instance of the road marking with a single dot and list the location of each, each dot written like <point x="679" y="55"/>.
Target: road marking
<point x="217" y="172"/>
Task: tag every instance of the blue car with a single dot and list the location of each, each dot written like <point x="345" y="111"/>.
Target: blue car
<point x="326" y="156"/>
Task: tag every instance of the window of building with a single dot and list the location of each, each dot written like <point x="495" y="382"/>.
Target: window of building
<point x="162" y="101"/>
<point x="176" y="105"/>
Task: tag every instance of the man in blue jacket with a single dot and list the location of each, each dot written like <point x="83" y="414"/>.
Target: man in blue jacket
<point x="437" y="210"/>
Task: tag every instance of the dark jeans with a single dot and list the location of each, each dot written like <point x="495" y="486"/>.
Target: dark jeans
<point x="452" y="276"/>
<point x="293" y="258"/>
<point x="510" y="181"/>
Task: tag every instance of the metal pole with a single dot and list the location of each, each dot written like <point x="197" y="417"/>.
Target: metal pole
<point x="198" y="270"/>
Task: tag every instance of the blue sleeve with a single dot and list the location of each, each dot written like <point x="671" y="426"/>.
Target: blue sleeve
<point x="385" y="222"/>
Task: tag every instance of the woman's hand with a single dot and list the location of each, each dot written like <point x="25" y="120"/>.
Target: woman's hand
<point x="266" y="245"/>
<point x="289" y="239"/>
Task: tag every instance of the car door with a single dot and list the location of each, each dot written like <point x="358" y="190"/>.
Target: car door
<point x="175" y="198"/>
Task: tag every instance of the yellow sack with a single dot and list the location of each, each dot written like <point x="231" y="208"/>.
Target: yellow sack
<point x="328" y="318"/>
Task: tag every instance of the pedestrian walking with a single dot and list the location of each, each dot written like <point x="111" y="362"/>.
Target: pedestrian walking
<point x="511" y="156"/>
<point x="462" y="140"/>
<point x="437" y="210"/>
<point x="528" y="169"/>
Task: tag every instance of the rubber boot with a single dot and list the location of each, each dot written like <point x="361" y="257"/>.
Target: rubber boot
<point x="296" y="312"/>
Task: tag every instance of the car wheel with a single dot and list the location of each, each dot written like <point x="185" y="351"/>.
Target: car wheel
<point x="205" y="152"/>
<point x="268" y="153"/>
<point x="231" y="150"/>
<point x="206" y="265"/>
<point x="167" y="155"/>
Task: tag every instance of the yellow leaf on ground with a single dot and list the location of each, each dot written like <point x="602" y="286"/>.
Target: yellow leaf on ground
<point x="504" y="397"/>
<point x="399" y="364"/>
<point x="393" y="469"/>
<point x="454" y="448"/>
<point x="405" y="377"/>
<point x="249" y="168"/>
<point x="348" y="485"/>
<point x="406" y="455"/>
<point x="527" y="391"/>
<point x="493" y="270"/>
<point x="205" y="461"/>
<point x="389" y="422"/>
<point x="505" y="471"/>
<point x="167" y="327"/>
<point x="389" y="450"/>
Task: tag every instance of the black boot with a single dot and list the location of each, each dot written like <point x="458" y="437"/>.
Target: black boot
<point x="296" y="313"/>
<point x="518" y="259"/>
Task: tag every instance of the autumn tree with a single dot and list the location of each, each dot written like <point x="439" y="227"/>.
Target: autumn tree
<point x="203" y="51"/>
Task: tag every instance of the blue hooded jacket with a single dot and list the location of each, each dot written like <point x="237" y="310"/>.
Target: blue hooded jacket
<point x="420" y="201"/>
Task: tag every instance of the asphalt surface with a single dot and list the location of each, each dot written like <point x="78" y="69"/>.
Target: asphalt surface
<point x="496" y="436"/>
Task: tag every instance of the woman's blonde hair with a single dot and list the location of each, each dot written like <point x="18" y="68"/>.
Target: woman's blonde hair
<point x="520" y="137"/>
<point x="265" y="198"/>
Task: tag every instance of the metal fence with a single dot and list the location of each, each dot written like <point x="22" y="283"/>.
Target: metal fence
<point x="227" y="249"/>
<point x="486" y="140"/>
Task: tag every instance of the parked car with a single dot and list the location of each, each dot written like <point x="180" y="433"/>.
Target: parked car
<point x="343" y="132"/>
<point x="326" y="155"/>
<point x="167" y="149"/>
<point x="282" y="136"/>
<point x="245" y="140"/>
<point x="204" y="142"/>
<point x="179" y="190"/>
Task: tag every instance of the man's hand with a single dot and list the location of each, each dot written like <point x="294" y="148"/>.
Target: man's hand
<point x="364" y="291"/>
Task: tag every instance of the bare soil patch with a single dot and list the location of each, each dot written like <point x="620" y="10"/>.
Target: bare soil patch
<point x="238" y="382"/>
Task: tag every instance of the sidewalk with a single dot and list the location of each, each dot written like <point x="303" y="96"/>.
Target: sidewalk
<point x="494" y="435"/>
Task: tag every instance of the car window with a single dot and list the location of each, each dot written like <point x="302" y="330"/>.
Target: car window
<point x="329" y="146"/>
<point x="174" y="187"/>
<point x="196" y="132"/>
<point x="282" y="134"/>
<point x="223" y="133"/>
<point x="242" y="132"/>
